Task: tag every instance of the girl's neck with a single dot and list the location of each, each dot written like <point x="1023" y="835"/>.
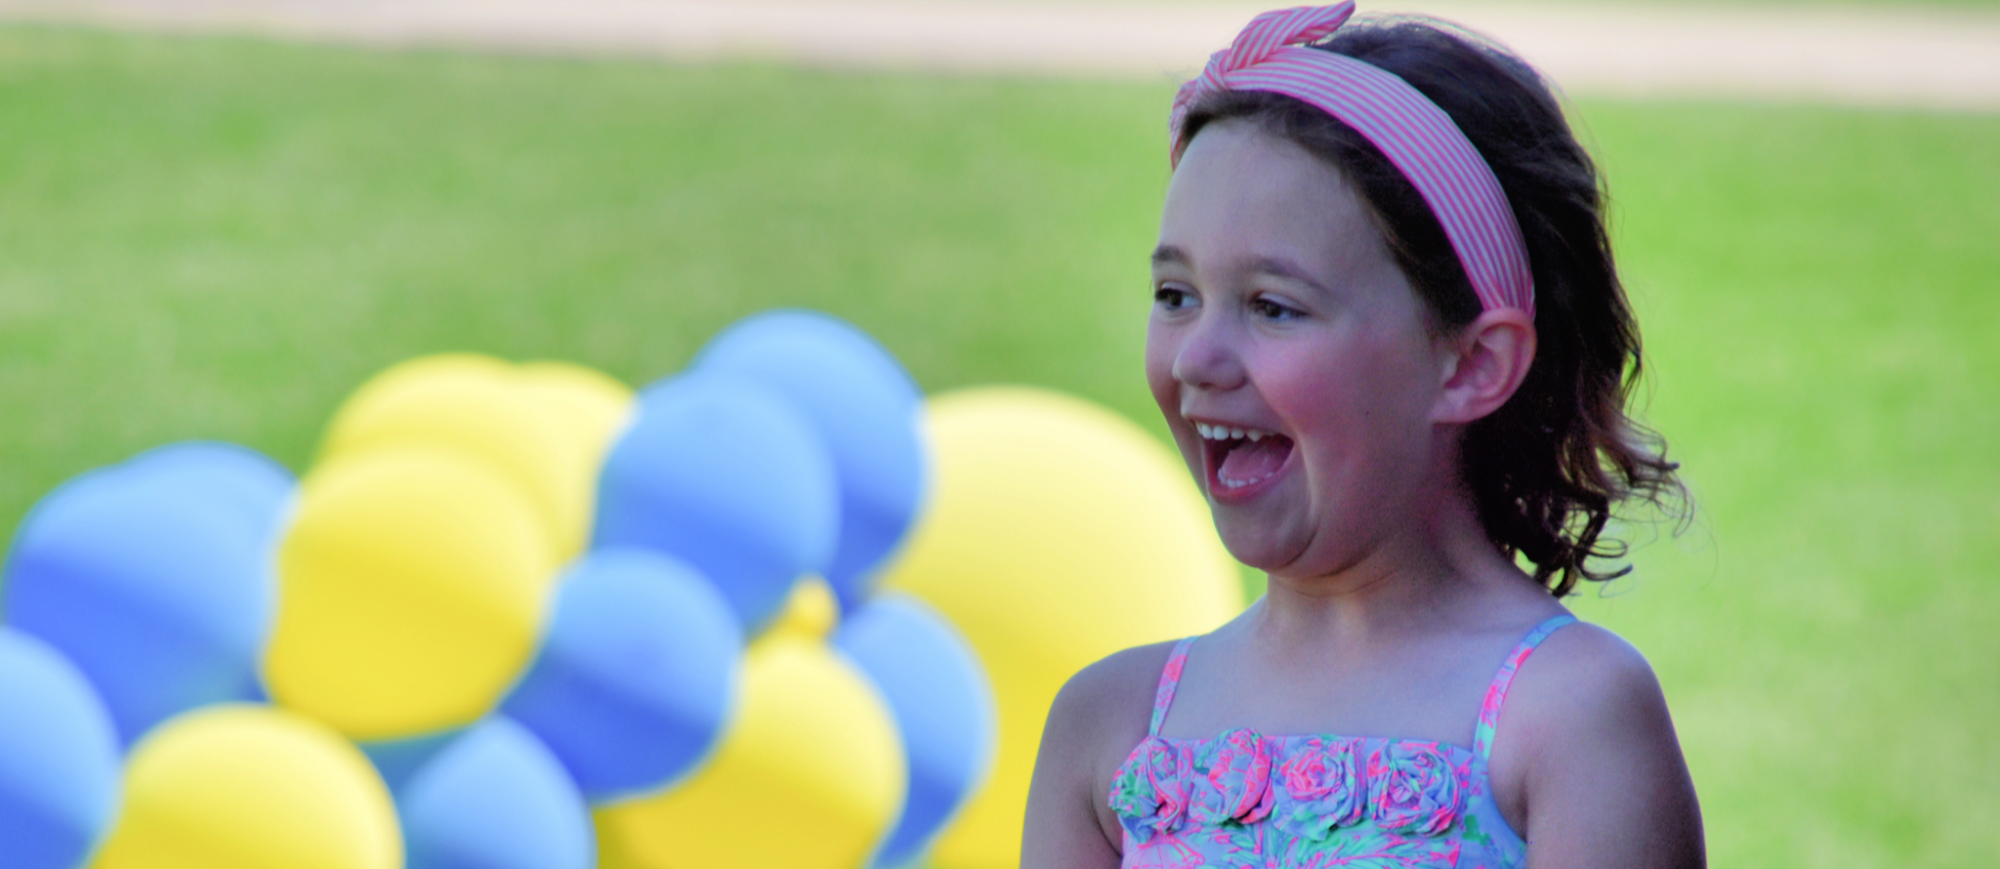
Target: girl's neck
<point x="1433" y="576"/>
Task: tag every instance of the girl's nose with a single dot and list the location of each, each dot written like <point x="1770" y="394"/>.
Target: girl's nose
<point x="1208" y="358"/>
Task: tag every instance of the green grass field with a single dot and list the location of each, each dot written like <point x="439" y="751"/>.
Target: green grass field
<point x="211" y="238"/>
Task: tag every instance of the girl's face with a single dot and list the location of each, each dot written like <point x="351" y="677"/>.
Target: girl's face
<point x="1293" y="361"/>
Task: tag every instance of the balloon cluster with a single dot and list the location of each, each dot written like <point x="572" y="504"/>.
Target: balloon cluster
<point x="774" y="611"/>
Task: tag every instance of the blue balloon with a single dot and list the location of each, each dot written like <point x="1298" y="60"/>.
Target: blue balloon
<point x="59" y="759"/>
<point x="495" y="799"/>
<point x="155" y="579"/>
<point x="722" y="473"/>
<point x="636" y="678"/>
<point x="398" y="761"/>
<point x="242" y="482"/>
<point x="943" y="705"/>
<point x="863" y="405"/>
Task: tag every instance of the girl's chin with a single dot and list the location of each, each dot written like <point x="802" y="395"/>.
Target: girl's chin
<point x="1256" y="544"/>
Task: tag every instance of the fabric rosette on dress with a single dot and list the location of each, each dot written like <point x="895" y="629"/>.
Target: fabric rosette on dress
<point x="1232" y="780"/>
<point x="1320" y="789"/>
<point x="1150" y="792"/>
<point x="1413" y="789"/>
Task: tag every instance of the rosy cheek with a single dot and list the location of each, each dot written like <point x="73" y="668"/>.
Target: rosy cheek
<point x="1305" y="398"/>
<point x="1163" y="391"/>
<point x="1160" y="373"/>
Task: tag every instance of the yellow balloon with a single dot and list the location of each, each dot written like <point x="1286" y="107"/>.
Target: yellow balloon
<point x="251" y="787"/>
<point x="412" y="590"/>
<point x="1057" y="533"/>
<point x="810" y="776"/>
<point x="586" y="410"/>
<point x="473" y="406"/>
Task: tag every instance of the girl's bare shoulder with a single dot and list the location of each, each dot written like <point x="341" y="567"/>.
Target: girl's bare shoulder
<point x="1112" y="699"/>
<point x="1100" y="714"/>
<point x="1580" y="678"/>
<point x="1585" y="757"/>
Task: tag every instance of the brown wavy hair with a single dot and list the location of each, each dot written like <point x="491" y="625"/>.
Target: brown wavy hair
<point x="1548" y="467"/>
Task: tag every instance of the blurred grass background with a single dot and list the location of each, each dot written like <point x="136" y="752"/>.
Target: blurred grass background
<point x="219" y="238"/>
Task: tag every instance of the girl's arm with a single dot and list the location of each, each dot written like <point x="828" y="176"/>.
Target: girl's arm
<point x="1601" y="780"/>
<point x="1096" y="719"/>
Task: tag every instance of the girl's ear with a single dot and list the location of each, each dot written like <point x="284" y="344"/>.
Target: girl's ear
<point x="1486" y="362"/>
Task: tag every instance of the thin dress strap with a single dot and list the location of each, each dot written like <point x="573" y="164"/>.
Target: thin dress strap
<point x="1170" y="678"/>
<point x="1496" y="693"/>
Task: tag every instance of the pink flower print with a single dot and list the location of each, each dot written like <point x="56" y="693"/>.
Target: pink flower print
<point x="1163" y="851"/>
<point x="1150" y="792"/>
<point x="1237" y="767"/>
<point x="1169" y="677"/>
<point x="1321" y="789"/>
<point x="1413" y="789"/>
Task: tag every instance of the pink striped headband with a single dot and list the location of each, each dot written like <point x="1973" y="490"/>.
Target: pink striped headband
<point x="1417" y="136"/>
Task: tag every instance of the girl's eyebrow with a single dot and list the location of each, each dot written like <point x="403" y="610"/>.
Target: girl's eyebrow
<point x="1275" y="266"/>
<point x="1279" y="267"/>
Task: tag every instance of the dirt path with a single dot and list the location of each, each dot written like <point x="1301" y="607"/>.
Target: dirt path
<point x="1888" y="56"/>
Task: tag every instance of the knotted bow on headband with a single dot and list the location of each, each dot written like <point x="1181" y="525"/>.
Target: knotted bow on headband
<point x="1417" y="136"/>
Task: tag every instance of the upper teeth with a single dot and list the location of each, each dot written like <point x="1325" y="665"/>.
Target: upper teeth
<point x="1227" y="433"/>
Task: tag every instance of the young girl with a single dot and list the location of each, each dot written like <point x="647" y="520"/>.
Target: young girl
<point x="1390" y="342"/>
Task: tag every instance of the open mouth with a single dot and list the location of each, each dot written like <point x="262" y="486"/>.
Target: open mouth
<point x="1240" y="459"/>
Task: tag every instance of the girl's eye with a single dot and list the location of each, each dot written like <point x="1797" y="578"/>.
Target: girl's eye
<point x="1172" y="298"/>
<point x="1274" y="310"/>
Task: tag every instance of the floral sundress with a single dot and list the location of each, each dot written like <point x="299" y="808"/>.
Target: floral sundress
<point x="1243" y="799"/>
